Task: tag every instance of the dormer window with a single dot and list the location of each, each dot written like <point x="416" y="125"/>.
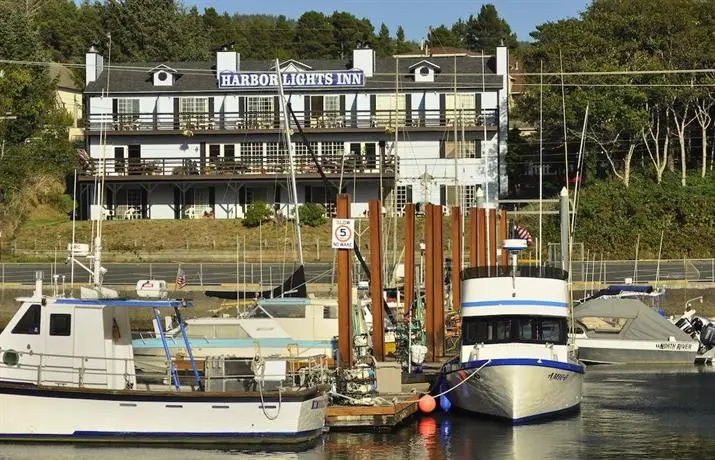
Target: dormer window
<point x="163" y="75"/>
<point x="424" y="71"/>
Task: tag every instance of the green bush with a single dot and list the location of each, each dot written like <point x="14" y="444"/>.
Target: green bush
<point x="256" y="214"/>
<point x="312" y="214"/>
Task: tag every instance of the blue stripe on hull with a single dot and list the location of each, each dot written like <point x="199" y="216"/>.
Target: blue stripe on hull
<point x="578" y="368"/>
<point x="513" y="302"/>
<point x="164" y="437"/>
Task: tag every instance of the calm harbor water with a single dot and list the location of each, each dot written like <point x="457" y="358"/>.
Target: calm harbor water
<point x="664" y="412"/>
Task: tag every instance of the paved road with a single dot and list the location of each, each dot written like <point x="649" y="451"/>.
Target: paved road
<point x="208" y="274"/>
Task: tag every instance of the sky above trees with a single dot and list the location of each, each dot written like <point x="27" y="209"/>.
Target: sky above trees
<point x="415" y="16"/>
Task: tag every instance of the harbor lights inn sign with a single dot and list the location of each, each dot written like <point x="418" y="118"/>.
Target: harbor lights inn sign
<point x="311" y="79"/>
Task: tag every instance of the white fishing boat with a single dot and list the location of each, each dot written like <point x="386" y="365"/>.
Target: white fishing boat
<point x="515" y="361"/>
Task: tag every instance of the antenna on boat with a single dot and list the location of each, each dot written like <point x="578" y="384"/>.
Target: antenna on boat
<point x="294" y="188"/>
<point x="514" y="246"/>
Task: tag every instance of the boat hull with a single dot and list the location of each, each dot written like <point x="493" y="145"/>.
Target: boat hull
<point x="635" y="352"/>
<point x="519" y="390"/>
<point x="81" y="415"/>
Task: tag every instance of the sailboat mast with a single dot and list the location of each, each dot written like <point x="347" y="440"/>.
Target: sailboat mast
<point x="294" y="187"/>
<point x="97" y="267"/>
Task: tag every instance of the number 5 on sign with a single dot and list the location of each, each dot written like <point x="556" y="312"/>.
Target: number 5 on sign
<point x="343" y="233"/>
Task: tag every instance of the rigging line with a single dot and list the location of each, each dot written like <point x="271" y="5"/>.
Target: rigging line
<point x="329" y="185"/>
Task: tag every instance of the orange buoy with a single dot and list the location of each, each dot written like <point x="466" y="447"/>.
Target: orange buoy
<point x="427" y="404"/>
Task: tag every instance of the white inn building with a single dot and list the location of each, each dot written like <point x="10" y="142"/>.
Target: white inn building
<point x="205" y="139"/>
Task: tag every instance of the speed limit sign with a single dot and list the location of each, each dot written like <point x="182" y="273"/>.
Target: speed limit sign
<point x="343" y="233"/>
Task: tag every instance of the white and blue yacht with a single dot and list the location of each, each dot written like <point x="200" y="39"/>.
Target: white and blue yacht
<point x="515" y="362"/>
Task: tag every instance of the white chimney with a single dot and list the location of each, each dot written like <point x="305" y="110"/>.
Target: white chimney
<point x="94" y="65"/>
<point x="227" y="61"/>
<point x="364" y="59"/>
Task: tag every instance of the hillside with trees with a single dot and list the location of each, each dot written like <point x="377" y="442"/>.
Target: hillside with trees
<point x="643" y="69"/>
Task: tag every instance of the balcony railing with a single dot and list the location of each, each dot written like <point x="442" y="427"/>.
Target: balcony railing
<point x="188" y="123"/>
<point x="256" y="166"/>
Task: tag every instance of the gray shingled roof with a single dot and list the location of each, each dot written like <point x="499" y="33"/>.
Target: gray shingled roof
<point x="201" y="77"/>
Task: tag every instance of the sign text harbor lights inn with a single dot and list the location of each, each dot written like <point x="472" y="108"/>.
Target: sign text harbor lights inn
<point x="335" y="78"/>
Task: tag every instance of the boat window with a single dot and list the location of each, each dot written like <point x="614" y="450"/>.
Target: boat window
<point x="330" y="312"/>
<point x="30" y="322"/>
<point x="60" y="324"/>
<point x="198" y="330"/>
<point x="231" y="331"/>
<point x="285" y="310"/>
<point x="504" y="329"/>
<point x="604" y="324"/>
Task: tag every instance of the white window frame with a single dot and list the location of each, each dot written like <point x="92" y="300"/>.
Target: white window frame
<point x="259" y="111"/>
<point x="401" y="198"/>
<point x="251" y="154"/>
<point x="464" y="110"/>
<point x="385" y="105"/>
<point x="127" y="109"/>
<point x="193" y="111"/>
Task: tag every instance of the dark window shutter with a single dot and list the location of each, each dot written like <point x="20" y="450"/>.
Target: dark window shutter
<point x="408" y="194"/>
<point x="373" y="106"/>
<point x="443" y="195"/>
<point x="177" y="203"/>
<point x="241" y="106"/>
<point x="145" y="203"/>
<point x="478" y="103"/>
<point x="176" y="113"/>
<point x="478" y="149"/>
<point x="342" y="105"/>
<point x="276" y="111"/>
<point x="212" y="198"/>
<point x="306" y="111"/>
<point x="229" y="151"/>
<point x="408" y="109"/>
<point x="441" y="148"/>
<point x="442" y="109"/>
<point x="211" y="107"/>
<point x="115" y="108"/>
<point x="202" y="156"/>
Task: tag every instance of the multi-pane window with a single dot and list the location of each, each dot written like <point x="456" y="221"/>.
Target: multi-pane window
<point x="276" y="155"/>
<point x="469" y="195"/>
<point x="461" y="107"/>
<point x="252" y="154"/>
<point x="332" y="151"/>
<point x="193" y="111"/>
<point x="458" y="195"/>
<point x="325" y="111"/>
<point x="403" y="195"/>
<point x="302" y="155"/>
<point x="259" y="111"/>
<point x="389" y="109"/>
<point x="127" y="109"/>
<point x="461" y="149"/>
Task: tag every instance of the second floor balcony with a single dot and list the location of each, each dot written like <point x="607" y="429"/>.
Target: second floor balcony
<point x="189" y="123"/>
<point x="234" y="168"/>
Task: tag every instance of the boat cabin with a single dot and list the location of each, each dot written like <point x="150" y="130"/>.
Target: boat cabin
<point x="71" y="342"/>
<point x="508" y="308"/>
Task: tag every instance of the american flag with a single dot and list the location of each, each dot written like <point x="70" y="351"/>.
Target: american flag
<point x="181" y="279"/>
<point x="522" y="233"/>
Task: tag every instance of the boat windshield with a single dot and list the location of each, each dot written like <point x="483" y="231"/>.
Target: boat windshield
<point x="515" y="328"/>
<point x="278" y="311"/>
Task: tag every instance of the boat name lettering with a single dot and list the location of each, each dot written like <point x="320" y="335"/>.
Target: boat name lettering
<point x="557" y="376"/>
<point x="319" y="403"/>
<point x="674" y="346"/>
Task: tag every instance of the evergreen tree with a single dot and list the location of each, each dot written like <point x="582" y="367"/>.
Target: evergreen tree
<point x="314" y="36"/>
<point x="383" y="45"/>
<point x="488" y="30"/>
<point x="401" y="46"/>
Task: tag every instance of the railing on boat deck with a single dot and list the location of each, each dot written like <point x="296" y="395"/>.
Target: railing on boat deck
<point x="299" y="371"/>
<point x="524" y="271"/>
<point x="79" y="373"/>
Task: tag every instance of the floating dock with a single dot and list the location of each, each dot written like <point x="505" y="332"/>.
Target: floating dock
<point x="377" y="418"/>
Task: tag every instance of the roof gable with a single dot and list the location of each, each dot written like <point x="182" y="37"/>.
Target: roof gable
<point x="424" y="62"/>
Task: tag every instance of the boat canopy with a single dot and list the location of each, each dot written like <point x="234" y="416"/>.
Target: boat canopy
<point x="526" y="271"/>
<point x="293" y="286"/>
<point x="623" y="318"/>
